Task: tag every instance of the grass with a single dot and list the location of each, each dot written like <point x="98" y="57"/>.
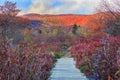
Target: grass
<point x="58" y="55"/>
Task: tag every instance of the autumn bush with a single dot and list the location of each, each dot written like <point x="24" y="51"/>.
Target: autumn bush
<point x="24" y="63"/>
<point x="98" y="58"/>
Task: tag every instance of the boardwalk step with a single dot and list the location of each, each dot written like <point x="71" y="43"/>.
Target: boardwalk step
<point x="65" y="70"/>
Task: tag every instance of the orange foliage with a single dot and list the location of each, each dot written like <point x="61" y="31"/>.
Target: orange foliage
<point x="22" y="21"/>
<point x="94" y="22"/>
<point x="64" y="20"/>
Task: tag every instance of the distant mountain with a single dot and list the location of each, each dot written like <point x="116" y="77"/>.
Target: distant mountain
<point x="95" y="23"/>
<point x="64" y="19"/>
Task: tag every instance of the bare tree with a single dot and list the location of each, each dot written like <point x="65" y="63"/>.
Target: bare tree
<point x="112" y="7"/>
<point x="8" y="13"/>
<point x="111" y="14"/>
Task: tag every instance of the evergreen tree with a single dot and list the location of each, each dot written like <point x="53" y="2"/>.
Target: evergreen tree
<point x="74" y="29"/>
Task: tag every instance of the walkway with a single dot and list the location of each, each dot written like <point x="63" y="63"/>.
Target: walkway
<point x="65" y="70"/>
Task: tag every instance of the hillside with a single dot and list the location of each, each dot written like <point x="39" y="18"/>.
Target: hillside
<point x="65" y="19"/>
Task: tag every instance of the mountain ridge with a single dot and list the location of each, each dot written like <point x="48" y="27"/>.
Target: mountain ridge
<point x="63" y="19"/>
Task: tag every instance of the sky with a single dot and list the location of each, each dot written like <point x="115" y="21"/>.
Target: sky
<point x="56" y="6"/>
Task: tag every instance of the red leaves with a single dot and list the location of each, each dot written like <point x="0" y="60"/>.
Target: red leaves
<point x="101" y="55"/>
<point x="9" y="8"/>
<point x="85" y="46"/>
<point x="25" y="63"/>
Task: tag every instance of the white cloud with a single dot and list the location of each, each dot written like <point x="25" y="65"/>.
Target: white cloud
<point x="66" y="6"/>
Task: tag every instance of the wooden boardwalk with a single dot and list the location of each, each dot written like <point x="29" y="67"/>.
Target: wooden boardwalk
<point x="65" y="70"/>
